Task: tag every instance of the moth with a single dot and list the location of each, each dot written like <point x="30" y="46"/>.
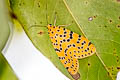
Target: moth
<point x="70" y="47"/>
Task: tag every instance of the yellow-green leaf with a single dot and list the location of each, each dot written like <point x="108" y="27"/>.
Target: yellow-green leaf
<point x="97" y="20"/>
<point x="6" y="72"/>
<point x="4" y="28"/>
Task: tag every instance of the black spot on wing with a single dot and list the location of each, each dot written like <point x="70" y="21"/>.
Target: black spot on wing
<point x="73" y="45"/>
<point x="78" y="42"/>
<point x="65" y="54"/>
<point x="71" y="35"/>
<point x="89" y="43"/>
<point x="56" y="34"/>
<point x="64" y="35"/>
<point x="65" y="62"/>
<point x="61" y="41"/>
<point x="87" y="48"/>
<point x="58" y="30"/>
<point x="83" y="42"/>
<point x="60" y="35"/>
<point x="66" y="50"/>
<point x="74" y="51"/>
<point x="65" y="32"/>
<point x="60" y="49"/>
<point x="68" y="40"/>
<point x="67" y="68"/>
<point x="52" y="32"/>
<point x="64" y="40"/>
<point x="82" y="47"/>
<point x="78" y="47"/>
<point x="57" y="50"/>
<point x="74" y="55"/>
<point x="60" y="45"/>
<point x="64" y="29"/>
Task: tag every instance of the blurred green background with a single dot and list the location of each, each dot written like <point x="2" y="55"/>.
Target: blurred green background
<point x="6" y="72"/>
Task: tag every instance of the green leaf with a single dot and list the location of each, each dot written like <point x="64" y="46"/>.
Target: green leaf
<point x="97" y="20"/>
<point x="6" y="73"/>
<point x="4" y="28"/>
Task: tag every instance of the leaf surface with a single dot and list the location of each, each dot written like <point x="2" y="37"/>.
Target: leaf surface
<point x="6" y="72"/>
<point x="4" y="28"/>
<point x="99" y="21"/>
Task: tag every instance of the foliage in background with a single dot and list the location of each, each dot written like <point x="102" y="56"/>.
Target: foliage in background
<point x="4" y="28"/>
<point x="6" y="73"/>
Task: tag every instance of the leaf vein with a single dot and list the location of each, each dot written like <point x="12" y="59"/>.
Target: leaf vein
<point x="84" y="34"/>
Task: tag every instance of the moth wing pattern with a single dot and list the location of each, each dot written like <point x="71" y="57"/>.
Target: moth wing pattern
<point x="70" y="47"/>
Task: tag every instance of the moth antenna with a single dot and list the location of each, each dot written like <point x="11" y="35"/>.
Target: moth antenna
<point x="46" y="13"/>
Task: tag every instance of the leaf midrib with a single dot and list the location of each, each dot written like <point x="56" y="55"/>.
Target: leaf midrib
<point x="85" y="35"/>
